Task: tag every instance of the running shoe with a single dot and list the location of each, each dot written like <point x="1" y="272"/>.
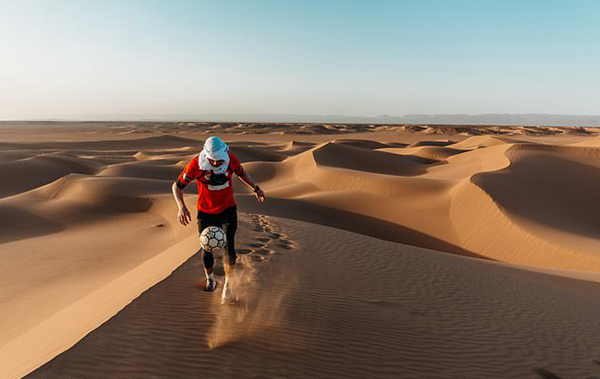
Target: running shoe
<point x="211" y="285"/>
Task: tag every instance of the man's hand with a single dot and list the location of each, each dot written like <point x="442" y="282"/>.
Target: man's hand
<point x="260" y="195"/>
<point x="184" y="216"/>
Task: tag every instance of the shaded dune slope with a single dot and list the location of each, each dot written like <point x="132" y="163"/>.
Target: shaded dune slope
<point x="551" y="192"/>
<point x="566" y="178"/>
<point x="342" y="156"/>
<point x="431" y="153"/>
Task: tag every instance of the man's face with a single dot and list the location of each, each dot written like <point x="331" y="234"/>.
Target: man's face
<point x="216" y="163"/>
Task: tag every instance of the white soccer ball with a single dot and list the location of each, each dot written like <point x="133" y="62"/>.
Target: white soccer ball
<point x="213" y="239"/>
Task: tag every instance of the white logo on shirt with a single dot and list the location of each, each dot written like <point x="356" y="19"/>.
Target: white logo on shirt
<point x="219" y="187"/>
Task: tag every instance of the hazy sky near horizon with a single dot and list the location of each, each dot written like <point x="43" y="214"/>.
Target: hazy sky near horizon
<point x="62" y="59"/>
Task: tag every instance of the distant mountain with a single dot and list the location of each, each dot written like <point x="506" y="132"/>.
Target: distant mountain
<point x="444" y="119"/>
<point x="439" y="119"/>
<point x="495" y="119"/>
<point x="450" y="119"/>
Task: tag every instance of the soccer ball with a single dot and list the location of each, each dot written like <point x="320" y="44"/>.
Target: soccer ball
<point x="212" y="239"/>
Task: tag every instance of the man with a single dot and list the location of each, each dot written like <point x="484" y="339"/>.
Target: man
<point x="213" y="170"/>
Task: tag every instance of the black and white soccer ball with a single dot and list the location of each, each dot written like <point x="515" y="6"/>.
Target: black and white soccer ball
<point x="213" y="239"/>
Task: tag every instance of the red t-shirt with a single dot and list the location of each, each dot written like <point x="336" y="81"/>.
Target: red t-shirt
<point x="215" y="191"/>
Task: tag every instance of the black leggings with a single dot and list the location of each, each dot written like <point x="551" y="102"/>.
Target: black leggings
<point x="227" y="219"/>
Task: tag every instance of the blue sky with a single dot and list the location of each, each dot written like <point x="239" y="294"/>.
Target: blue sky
<point x="358" y="58"/>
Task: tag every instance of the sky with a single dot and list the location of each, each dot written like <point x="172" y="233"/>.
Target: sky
<point x="87" y="59"/>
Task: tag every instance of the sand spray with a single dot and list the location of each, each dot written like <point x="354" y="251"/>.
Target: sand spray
<point x="260" y="305"/>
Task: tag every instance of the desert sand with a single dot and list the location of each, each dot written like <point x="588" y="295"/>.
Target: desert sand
<point x="381" y="251"/>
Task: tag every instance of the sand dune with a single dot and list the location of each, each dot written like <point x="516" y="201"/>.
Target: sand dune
<point x="566" y="178"/>
<point x="295" y="147"/>
<point x="314" y="309"/>
<point x="589" y="142"/>
<point x="28" y="173"/>
<point x="88" y="224"/>
<point x="363" y="144"/>
<point x="478" y="142"/>
<point x="254" y="153"/>
<point x="149" y="170"/>
<point x="346" y="157"/>
<point x="432" y="154"/>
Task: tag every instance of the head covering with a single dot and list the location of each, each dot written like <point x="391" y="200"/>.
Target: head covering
<point x="215" y="149"/>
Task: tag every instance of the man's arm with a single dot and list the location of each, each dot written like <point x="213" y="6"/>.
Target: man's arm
<point x="245" y="177"/>
<point x="183" y="215"/>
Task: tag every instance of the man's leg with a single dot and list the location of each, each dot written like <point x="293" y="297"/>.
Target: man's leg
<point x="204" y="221"/>
<point x="230" y="226"/>
<point x="227" y="287"/>
<point x="209" y="260"/>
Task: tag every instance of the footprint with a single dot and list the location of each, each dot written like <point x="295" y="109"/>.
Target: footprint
<point x="259" y="258"/>
<point x="264" y="222"/>
<point x="267" y="239"/>
<point x="286" y="246"/>
<point x="264" y="251"/>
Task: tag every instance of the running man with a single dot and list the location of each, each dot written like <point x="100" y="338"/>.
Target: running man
<point x="213" y="170"/>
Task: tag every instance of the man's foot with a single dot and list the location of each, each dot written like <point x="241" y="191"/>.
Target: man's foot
<point x="211" y="285"/>
<point x="227" y="296"/>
